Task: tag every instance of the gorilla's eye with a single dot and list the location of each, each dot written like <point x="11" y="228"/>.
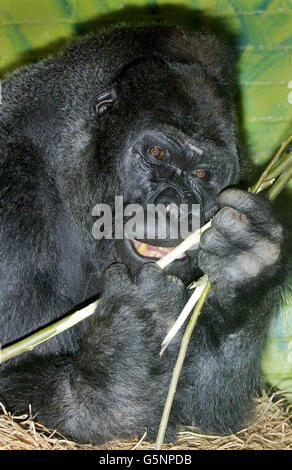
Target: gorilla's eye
<point x="200" y="174"/>
<point x="157" y="152"/>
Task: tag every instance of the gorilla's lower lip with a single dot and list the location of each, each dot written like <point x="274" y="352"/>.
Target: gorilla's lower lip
<point x="152" y="251"/>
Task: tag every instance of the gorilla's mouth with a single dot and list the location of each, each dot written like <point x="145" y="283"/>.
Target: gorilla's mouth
<point x="152" y="251"/>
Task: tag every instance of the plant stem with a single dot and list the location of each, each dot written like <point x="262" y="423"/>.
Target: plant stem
<point x="280" y="184"/>
<point x="185" y="245"/>
<point x="285" y="162"/>
<point x="30" y="342"/>
<point x="255" y="189"/>
<point x="178" y="367"/>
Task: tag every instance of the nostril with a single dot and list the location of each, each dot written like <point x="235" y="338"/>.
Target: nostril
<point x="168" y="196"/>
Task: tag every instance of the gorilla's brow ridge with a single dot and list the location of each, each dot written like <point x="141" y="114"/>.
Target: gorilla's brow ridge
<point x="183" y="139"/>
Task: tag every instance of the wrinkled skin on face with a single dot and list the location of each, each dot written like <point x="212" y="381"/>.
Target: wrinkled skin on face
<point x="147" y="114"/>
<point x="181" y="173"/>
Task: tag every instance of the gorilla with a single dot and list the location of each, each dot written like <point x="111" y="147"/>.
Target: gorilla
<point x="146" y="113"/>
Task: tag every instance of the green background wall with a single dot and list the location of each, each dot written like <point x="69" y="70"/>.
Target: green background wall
<point x="31" y="29"/>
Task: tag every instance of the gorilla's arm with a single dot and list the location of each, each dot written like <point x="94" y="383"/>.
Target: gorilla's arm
<point x="40" y="250"/>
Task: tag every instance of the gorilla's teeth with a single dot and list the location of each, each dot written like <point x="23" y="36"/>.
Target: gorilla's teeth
<point x="151" y="251"/>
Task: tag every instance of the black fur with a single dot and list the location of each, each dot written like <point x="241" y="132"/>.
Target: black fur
<point x="72" y="130"/>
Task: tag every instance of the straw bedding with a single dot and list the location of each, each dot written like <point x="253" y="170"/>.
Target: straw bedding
<point x="271" y="430"/>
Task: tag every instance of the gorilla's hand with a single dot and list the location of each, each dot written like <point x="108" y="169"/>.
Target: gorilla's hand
<point x="135" y="313"/>
<point x="242" y="250"/>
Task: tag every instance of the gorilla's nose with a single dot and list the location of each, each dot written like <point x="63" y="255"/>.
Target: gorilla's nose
<point x="171" y="199"/>
<point x="168" y="197"/>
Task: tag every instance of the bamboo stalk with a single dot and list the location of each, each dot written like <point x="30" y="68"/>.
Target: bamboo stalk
<point x="200" y="285"/>
<point x="285" y="162"/>
<point x="280" y="184"/>
<point x="256" y="188"/>
<point x="30" y="342"/>
<point x="178" y="367"/>
<point x="276" y="171"/>
<point x="185" y="245"/>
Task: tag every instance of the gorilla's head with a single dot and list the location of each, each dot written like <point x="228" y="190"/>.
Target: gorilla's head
<point x="172" y="120"/>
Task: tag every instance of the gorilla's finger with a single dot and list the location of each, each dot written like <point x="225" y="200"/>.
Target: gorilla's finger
<point x="115" y="275"/>
<point x="256" y="209"/>
<point x="235" y="227"/>
<point x="212" y="241"/>
<point x="148" y="273"/>
<point x="250" y="204"/>
<point x="209" y="265"/>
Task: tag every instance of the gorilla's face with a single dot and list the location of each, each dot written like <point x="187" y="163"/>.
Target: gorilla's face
<point x="179" y="176"/>
<point x="178" y="151"/>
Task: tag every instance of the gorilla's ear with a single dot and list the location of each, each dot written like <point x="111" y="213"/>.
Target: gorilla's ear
<point x="103" y="100"/>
